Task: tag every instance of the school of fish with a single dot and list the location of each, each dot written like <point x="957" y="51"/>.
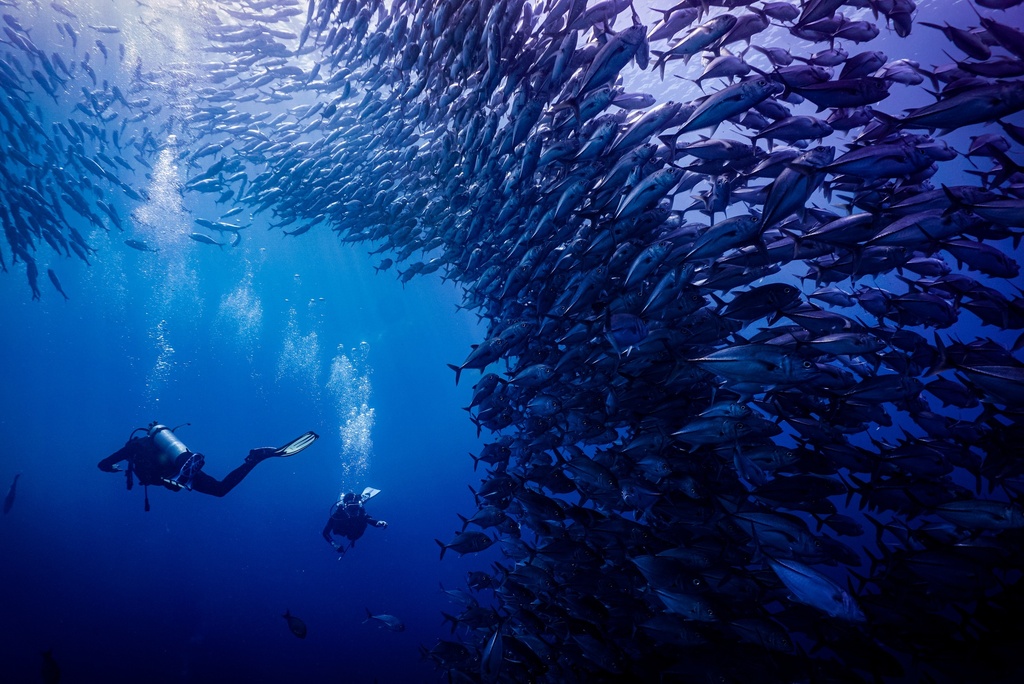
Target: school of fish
<point x="738" y="432"/>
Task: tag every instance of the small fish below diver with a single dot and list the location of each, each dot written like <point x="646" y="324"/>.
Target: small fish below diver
<point x="297" y="626"/>
<point x="9" y="501"/>
<point x="385" y="620"/>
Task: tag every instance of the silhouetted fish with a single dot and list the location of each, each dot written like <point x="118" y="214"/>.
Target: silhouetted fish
<point x="9" y="500"/>
<point x="384" y="620"/>
<point x="297" y="626"/>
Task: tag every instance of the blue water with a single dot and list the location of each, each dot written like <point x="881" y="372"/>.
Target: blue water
<point x="252" y="346"/>
<point x="195" y="589"/>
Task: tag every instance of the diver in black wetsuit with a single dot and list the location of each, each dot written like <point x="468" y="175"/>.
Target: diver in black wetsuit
<point x="160" y="458"/>
<point x="349" y="519"/>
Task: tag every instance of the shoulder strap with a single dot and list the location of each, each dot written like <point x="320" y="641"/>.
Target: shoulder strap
<point x="338" y="511"/>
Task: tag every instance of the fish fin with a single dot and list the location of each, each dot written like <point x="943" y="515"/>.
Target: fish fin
<point x="445" y="617"/>
<point x="572" y="103"/>
<point x="941" y="364"/>
<point x="458" y="371"/>
<point x="659" y="63"/>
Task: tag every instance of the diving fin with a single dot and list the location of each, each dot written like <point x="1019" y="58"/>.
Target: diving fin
<point x="189" y="469"/>
<point x="369" y="493"/>
<point x="296" y="445"/>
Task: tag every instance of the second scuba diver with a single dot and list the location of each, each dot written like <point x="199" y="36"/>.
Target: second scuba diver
<point x="349" y="519"/>
<point x="159" y="458"/>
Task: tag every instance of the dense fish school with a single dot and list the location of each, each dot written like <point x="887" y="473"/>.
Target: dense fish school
<point x="738" y="433"/>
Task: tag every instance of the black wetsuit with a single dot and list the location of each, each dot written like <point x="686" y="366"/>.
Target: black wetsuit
<point x="349" y="522"/>
<point x="152" y="467"/>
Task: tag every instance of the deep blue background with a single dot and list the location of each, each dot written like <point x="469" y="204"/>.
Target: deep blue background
<point x="194" y="590"/>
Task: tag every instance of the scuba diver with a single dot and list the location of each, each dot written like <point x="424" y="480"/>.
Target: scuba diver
<point x="159" y="458"/>
<point x="349" y="519"/>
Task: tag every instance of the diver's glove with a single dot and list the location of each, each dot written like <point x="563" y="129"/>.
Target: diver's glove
<point x="381" y="524"/>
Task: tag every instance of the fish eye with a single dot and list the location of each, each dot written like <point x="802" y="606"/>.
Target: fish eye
<point x="807" y="364"/>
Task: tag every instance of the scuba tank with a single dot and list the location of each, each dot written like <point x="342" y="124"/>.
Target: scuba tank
<point x="166" y="441"/>
<point x="170" y="448"/>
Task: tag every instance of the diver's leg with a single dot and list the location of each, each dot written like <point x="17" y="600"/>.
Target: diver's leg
<point x="208" y="485"/>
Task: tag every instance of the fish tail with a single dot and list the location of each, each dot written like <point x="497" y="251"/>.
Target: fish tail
<point x="796" y="240"/>
<point x="888" y="119"/>
<point x="445" y="617"/>
<point x="443" y="547"/>
<point x="851" y="489"/>
<point x="942" y="364"/>
<point x="458" y="371"/>
<point x="659" y="63"/>
<point x="670" y="140"/>
<point x="573" y="103"/>
<point x="874" y="561"/>
<point x="861" y="581"/>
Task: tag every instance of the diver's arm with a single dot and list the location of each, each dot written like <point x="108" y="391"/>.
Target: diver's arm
<point x="109" y="464"/>
<point x="340" y="548"/>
